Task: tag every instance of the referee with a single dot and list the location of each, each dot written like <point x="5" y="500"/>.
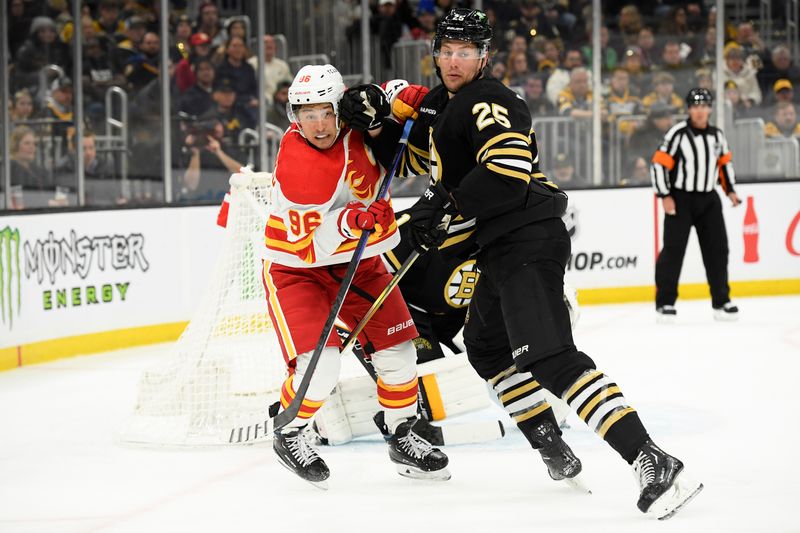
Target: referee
<point x="692" y="158"/>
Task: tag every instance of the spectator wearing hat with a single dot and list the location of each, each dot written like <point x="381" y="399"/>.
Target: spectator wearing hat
<point x="564" y="173"/>
<point x="426" y="17"/>
<point x="199" y="47"/>
<point x="59" y="108"/>
<point x="240" y="72"/>
<point x="664" y="92"/>
<point x="107" y="26"/>
<point x="741" y="72"/>
<point x="180" y="48"/>
<point x="135" y="28"/>
<point x="784" y="123"/>
<point x="274" y="69"/>
<point x="780" y="66"/>
<point x="41" y="48"/>
<point x="199" y="97"/>
<point x="645" y="140"/>
<point x="232" y="115"/>
<point x="640" y="74"/>
<point x="277" y="112"/>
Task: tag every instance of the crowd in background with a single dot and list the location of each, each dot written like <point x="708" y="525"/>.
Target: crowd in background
<point x="651" y="54"/>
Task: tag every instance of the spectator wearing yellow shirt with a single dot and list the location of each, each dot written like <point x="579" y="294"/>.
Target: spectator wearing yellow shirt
<point x="664" y="92"/>
<point x="785" y="123"/>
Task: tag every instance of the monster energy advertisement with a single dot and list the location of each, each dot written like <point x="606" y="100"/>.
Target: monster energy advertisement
<point x="67" y="274"/>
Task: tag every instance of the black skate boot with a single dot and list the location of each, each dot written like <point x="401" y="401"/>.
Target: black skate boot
<point x="664" y="489"/>
<point x="414" y="456"/>
<point x="561" y="462"/>
<point x="296" y="453"/>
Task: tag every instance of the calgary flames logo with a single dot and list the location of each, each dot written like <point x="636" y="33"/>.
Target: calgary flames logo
<point x="362" y="179"/>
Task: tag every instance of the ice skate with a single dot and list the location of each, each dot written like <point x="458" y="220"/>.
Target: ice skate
<point x="296" y="453"/>
<point x="666" y="314"/>
<point x="664" y="488"/>
<point x="414" y="456"/>
<point x="562" y="464"/>
<point x="727" y="312"/>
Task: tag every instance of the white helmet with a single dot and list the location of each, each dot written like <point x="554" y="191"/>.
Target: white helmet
<point x="316" y="84"/>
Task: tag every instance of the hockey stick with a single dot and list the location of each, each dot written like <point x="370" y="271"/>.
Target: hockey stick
<point x="291" y="410"/>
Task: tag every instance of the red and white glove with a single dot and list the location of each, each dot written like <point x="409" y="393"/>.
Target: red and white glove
<point x="354" y="219"/>
<point x="405" y="99"/>
<point x="383" y="213"/>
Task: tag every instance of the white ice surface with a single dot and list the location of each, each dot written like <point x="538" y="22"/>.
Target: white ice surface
<point x="721" y="396"/>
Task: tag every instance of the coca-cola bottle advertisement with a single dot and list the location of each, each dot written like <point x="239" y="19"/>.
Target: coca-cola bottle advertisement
<point x="750" y="233"/>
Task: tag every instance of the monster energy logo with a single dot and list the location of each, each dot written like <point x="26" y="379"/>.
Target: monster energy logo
<point x="10" y="278"/>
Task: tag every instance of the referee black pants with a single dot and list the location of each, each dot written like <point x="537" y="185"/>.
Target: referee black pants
<point x="703" y="210"/>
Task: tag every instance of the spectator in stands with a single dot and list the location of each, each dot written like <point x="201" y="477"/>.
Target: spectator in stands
<point x="277" y="112"/>
<point x="19" y="23"/>
<point x="564" y="173"/>
<point x="550" y="58"/>
<point x="676" y="26"/>
<point x="517" y="45"/>
<point x="784" y="123"/>
<point x="638" y="173"/>
<point x="239" y="72"/>
<point x="517" y="70"/>
<point x="93" y="167"/>
<point x="42" y="48"/>
<point x="208" y="23"/>
<point x="198" y="98"/>
<point x="575" y="100"/>
<point x="733" y="96"/>
<point x="498" y="70"/>
<point x="704" y="78"/>
<point x="784" y="91"/>
<point x="620" y="101"/>
<point x="426" y="17"/>
<point x="199" y="47"/>
<point x="233" y="27"/>
<point x="21" y="108"/>
<point x="609" y="55"/>
<point x="24" y="169"/>
<point x="181" y="48"/>
<point x="664" y="92"/>
<point x="559" y="21"/>
<point x="59" y="108"/>
<point x="779" y="67"/>
<point x="560" y="77"/>
<point x="274" y="68"/>
<point x="736" y="69"/>
<point x="537" y="101"/>
<point x="230" y="114"/>
<point x="646" y="42"/>
<point x="208" y="155"/>
<point x="646" y="139"/>
<point x="108" y="27"/>
<point x="143" y="67"/>
<point x="135" y="28"/>
<point x="640" y="76"/>
<point x="707" y="53"/>
<point x="748" y="40"/>
<point x="630" y="23"/>
<point x="98" y="76"/>
<point x="388" y="25"/>
<point x="673" y="61"/>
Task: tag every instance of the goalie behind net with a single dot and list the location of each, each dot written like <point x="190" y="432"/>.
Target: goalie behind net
<point x="226" y="365"/>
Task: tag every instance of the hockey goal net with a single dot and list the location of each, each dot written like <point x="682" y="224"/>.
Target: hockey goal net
<point x="226" y="365"/>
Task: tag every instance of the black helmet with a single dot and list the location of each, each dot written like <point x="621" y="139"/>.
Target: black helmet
<point x="468" y="25"/>
<point x="699" y="96"/>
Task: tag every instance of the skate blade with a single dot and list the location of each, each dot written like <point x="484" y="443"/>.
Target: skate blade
<point x="682" y="491"/>
<point x="321" y="485"/>
<point x="578" y="484"/>
<point x="416" y="473"/>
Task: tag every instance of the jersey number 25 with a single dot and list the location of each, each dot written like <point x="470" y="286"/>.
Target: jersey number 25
<point x="498" y="114"/>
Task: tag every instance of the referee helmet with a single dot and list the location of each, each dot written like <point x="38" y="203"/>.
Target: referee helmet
<point x="699" y="96"/>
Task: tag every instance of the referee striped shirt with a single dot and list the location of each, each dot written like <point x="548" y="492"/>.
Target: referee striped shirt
<point x="692" y="160"/>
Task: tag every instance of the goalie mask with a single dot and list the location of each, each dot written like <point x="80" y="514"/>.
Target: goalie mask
<point x="315" y="84"/>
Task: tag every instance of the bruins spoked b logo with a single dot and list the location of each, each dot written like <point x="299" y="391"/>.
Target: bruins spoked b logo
<point x="10" y="276"/>
<point x="460" y="288"/>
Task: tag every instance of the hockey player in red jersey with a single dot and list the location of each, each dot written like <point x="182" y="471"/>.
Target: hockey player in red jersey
<point x="474" y="135"/>
<point x="325" y="183"/>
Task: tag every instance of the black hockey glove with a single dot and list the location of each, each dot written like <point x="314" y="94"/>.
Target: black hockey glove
<point x="430" y="217"/>
<point x="364" y="107"/>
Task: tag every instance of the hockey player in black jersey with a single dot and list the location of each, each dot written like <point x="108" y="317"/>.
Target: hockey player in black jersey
<point x="473" y="134"/>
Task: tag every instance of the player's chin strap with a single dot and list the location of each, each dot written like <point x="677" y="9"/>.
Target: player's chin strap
<point x="291" y="410"/>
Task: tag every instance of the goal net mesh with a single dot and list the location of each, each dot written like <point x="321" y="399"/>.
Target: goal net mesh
<point x="226" y="366"/>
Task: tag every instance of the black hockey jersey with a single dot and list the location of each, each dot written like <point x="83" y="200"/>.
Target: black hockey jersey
<point x="480" y="145"/>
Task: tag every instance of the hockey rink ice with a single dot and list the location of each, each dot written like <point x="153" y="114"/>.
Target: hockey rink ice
<point x="723" y="397"/>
